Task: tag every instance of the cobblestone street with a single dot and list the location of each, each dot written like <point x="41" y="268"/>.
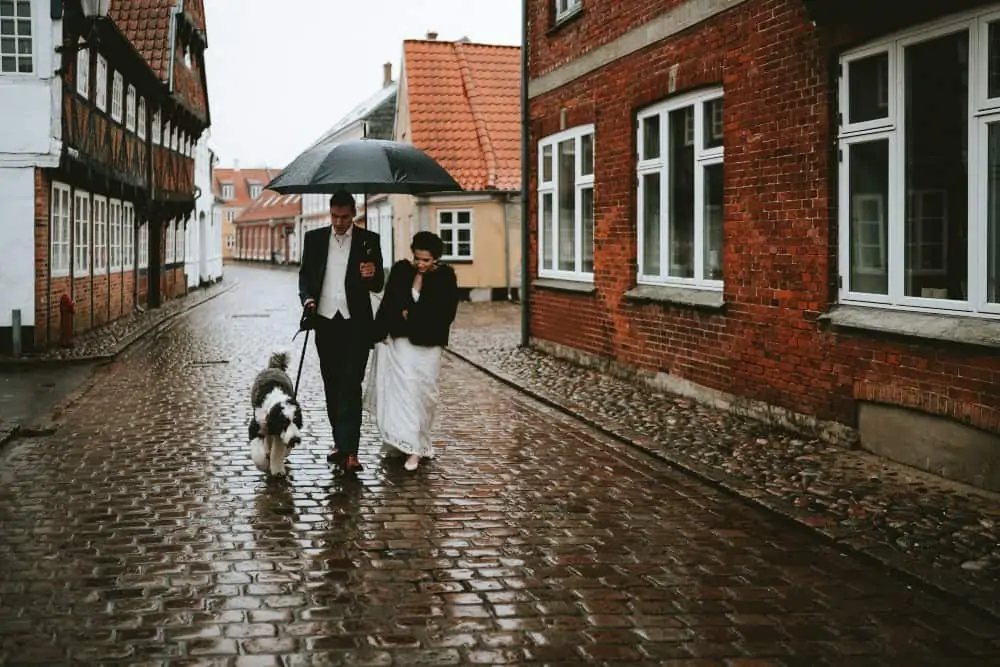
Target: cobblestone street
<point x="140" y="533"/>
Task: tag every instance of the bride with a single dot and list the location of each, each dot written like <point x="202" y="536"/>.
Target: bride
<point x="417" y="310"/>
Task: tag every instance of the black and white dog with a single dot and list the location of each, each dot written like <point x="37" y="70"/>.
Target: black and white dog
<point x="275" y="427"/>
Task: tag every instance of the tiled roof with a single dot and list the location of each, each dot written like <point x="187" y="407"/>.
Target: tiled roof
<point x="241" y="180"/>
<point x="146" y="23"/>
<point x="272" y="206"/>
<point x="465" y="109"/>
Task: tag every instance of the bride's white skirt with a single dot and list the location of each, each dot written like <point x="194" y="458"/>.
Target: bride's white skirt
<point x="402" y="395"/>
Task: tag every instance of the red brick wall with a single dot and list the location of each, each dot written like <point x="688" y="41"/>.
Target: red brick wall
<point x="780" y="219"/>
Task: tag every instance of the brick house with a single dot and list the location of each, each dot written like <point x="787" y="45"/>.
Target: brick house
<point x="459" y="102"/>
<point x="788" y="208"/>
<point x="236" y="189"/>
<point x="99" y="116"/>
<point x="266" y="228"/>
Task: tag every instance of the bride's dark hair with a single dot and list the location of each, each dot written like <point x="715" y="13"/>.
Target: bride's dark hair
<point x="428" y="241"/>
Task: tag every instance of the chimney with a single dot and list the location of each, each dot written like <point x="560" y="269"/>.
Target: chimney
<point x="386" y="74"/>
<point x="431" y="35"/>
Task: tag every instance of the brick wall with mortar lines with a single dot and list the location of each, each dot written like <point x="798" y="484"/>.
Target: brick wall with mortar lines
<point x="780" y="227"/>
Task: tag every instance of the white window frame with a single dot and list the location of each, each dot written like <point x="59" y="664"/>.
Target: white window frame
<point x="101" y="83"/>
<point x="140" y="123"/>
<point x="117" y="90"/>
<point x="455" y="226"/>
<point x="703" y="158"/>
<point x="81" y="233"/>
<point x="157" y="128"/>
<point x="228" y="194"/>
<point x="18" y="39"/>
<point x="99" y="221"/>
<point x="982" y="113"/>
<point x="143" y="241"/>
<point x="60" y="230"/>
<point x="130" y="108"/>
<point x="255" y="190"/>
<point x="128" y="236"/>
<point x="583" y="182"/>
<point x="181" y="241"/>
<point x="567" y="8"/>
<point x="115" y="225"/>
<point x="83" y="72"/>
<point x="168" y="252"/>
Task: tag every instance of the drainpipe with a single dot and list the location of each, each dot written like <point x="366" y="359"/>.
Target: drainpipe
<point x="525" y="137"/>
<point x="506" y="242"/>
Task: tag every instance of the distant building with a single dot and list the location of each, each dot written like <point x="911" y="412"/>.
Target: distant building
<point x="236" y="189"/>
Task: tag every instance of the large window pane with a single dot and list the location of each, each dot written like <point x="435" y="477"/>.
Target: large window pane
<point x="651" y="224"/>
<point x="547" y="164"/>
<point x="937" y="121"/>
<point x="713" y="123"/>
<point x="868" y="80"/>
<point x="651" y="137"/>
<point x="587" y="154"/>
<point x="869" y="207"/>
<point x="681" y="189"/>
<point x="587" y="231"/>
<point x="566" y="258"/>
<point x="713" y="222"/>
<point x="547" y="237"/>
<point x="993" y="215"/>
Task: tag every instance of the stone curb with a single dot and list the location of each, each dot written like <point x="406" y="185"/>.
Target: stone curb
<point x="875" y="552"/>
<point x="8" y="432"/>
<point x="12" y="364"/>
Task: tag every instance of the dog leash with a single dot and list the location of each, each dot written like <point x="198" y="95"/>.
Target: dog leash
<point x="298" y="376"/>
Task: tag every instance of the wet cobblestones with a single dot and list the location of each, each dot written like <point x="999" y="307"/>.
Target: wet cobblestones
<point x="140" y="533"/>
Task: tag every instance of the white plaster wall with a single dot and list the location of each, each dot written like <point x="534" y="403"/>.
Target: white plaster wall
<point x="380" y="222"/>
<point x="30" y="109"/>
<point x="17" y="244"/>
<point x="204" y="262"/>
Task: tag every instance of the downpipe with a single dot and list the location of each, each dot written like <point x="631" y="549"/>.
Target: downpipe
<point x="525" y="138"/>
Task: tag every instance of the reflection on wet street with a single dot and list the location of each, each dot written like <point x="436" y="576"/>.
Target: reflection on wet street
<point x="140" y="532"/>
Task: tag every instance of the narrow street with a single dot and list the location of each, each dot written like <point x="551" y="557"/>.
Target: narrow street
<point x="141" y="533"/>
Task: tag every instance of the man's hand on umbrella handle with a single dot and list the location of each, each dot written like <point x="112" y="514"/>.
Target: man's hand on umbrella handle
<point x="367" y="269"/>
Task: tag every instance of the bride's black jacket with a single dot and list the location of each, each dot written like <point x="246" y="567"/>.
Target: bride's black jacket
<point x="428" y="320"/>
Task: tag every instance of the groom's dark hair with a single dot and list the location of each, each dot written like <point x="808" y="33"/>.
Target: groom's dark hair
<point x="342" y="198"/>
<point x="428" y="241"/>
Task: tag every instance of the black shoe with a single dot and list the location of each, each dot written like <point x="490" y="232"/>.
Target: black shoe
<point x="335" y="457"/>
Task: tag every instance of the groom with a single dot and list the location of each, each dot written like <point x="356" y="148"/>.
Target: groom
<point x="341" y="267"/>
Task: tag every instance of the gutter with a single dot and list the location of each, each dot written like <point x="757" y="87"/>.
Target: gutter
<point x="525" y="137"/>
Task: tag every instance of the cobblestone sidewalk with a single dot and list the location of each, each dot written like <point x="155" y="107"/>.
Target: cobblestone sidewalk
<point x="943" y="533"/>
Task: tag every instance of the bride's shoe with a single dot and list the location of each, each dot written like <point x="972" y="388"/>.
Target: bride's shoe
<point x="412" y="461"/>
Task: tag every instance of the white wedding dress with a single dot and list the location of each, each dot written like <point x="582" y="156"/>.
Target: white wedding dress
<point x="402" y="395"/>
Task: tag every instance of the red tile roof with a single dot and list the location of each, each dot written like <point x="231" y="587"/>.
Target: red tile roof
<point x="272" y="206"/>
<point x="146" y="23"/>
<point x="465" y="109"/>
<point x="241" y="180"/>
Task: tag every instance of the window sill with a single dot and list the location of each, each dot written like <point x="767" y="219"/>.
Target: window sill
<point x="931" y="326"/>
<point x="561" y="22"/>
<point x="684" y="296"/>
<point x="559" y="285"/>
<point x="457" y="260"/>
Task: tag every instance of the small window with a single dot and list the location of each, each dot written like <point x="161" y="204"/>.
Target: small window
<point x="83" y="72"/>
<point x="228" y="193"/>
<point x="117" y="91"/>
<point x="141" y="121"/>
<point x="16" y="45"/>
<point x="101" y="84"/>
<point x="255" y="190"/>
<point x="566" y="8"/>
<point x="130" y="109"/>
<point x="455" y="230"/>
<point x="156" y="128"/>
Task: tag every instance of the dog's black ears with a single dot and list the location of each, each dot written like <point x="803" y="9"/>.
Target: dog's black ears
<point x="254" y="429"/>
<point x="298" y="417"/>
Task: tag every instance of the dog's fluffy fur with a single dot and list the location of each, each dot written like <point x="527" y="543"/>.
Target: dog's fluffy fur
<point x="276" y="425"/>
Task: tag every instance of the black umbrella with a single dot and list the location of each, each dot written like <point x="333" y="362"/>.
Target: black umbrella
<point x="364" y="166"/>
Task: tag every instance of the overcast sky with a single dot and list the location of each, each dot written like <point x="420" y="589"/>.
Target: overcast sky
<point x="278" y="79"/>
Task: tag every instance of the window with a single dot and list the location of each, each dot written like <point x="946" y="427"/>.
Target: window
<point x="16" y="47"/>
<point x="228" y="193"/>
<point x="116" y="97"/>
<point x="566" y="204"/>
<point x="100" y="210"/>
<point x="81" y="233"/>
<point x="130" y="108"/>
<point x="115" y="234"/>
<point x="128" y="235"/>
<point x="230" y="241"/>
<point x="140" y="129"/>
<point x="60" y="230"/>
<point x="166" y="134"/>
<point x="679" y="191"/>
<point x="920" y="168"/>
<point x="173" y="139"/>
<point x="101" y="84"/>
<point x="83" y="72"/>
<point x="179" y="255"/>
<point x="170" y="240"/>
<point x="566" y="8"/>
<point x="144" y="245"/>
<point x="455" y="229"/>
<point x="255" y="190"/>
<point x="156" y="128"/>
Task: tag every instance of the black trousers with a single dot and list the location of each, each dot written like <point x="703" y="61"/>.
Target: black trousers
<point x="343" y="350"/>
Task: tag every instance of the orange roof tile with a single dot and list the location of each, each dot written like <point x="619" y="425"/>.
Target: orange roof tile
<point x="241" y="180"/>
<point x="272" y="206"/>
<point x="465" y="109"/>
<point x="146" y="24"/>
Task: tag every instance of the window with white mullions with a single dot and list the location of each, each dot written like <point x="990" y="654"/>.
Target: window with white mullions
<point x="566" y="205"/>
<point x="680" y="191"/>
<point x="101" y="84"/>
<point x="81" y="233"/>
<point x="566" y="8"/>
<point x="128" y="236"/>
<point x="60" y="229"/>
<point x="117" y="92"/>
<point x="115" y="225"/>
<point x="919" y="168"/>
<point x="455" y="230"/>
<point x="100" y="212"/>
<point x="16" y="37"/>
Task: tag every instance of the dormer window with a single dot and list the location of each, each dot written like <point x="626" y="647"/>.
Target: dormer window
<point x="16" y="47"/>
<point x="255" y="190"/>
<point x="228" y="191"/>
<point x="130" y="109"/>
<point x="117" y="90"/>
<point x="83" y="72"/>
<point x="101" y="84"/>
<point x="141" y="122"/>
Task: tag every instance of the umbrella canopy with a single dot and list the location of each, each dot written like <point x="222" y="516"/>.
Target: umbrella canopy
<point x="364" y="166"/>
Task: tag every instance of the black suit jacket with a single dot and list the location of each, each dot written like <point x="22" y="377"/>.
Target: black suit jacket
<point x="428" y="321"/>
<point x="365" y="247"/>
